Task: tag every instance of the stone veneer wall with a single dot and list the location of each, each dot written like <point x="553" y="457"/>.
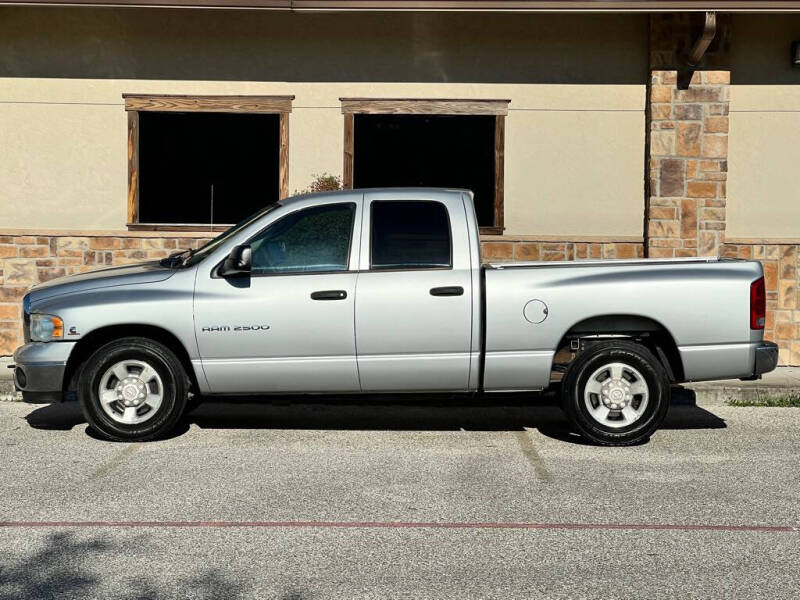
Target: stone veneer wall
<point x="26" y="260"/>
<point x="688" y="140"/>
<point x="688" y="165"/>
<point x="29" y="259"/>
<point x="781" y="269"/>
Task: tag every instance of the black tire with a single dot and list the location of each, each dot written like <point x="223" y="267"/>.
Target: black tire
<point x="174" y="383"/>
<point x="586" y="365"/>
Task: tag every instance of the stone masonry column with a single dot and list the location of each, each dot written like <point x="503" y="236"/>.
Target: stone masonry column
<point x="687" y="123"/>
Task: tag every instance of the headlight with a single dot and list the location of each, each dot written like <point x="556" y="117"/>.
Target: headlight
<point x="45" y="328"/>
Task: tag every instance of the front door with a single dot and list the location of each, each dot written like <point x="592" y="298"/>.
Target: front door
<point x="414" y="295"/>
<point x="288" y="327"/>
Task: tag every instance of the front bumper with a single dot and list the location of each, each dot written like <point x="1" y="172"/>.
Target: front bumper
<point x="766" y="358"/>
<point x="40" y="366"/>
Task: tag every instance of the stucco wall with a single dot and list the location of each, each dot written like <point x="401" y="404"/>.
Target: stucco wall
<point x="763" y="158"/>
<point x="574" y="134"/>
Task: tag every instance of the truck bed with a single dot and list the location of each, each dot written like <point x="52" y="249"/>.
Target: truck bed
<point x="701" y="303"/>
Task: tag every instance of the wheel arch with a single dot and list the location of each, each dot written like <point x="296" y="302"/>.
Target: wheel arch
<point x="96" y="338"/>
<point x="648" y="331"/>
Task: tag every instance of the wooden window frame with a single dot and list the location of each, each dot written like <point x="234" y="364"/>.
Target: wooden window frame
<point x="136" y="103"/>
<point x="417" y="106"/>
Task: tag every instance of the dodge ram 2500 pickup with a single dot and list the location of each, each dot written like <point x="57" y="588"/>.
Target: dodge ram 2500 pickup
<point x="383" y="291"/>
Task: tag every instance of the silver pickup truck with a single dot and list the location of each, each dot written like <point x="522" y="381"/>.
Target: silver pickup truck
<point x="383" y="291"/>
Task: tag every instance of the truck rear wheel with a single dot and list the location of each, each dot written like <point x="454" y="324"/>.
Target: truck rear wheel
<point x="133" y="389"/>
<point x="616" y="393"/>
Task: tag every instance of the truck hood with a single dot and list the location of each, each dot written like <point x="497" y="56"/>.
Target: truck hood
<point x="148" y="272"/>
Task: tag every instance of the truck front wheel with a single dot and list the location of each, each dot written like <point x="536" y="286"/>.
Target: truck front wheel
<point x="133" y="389"/>
<point x="616" y="393"/>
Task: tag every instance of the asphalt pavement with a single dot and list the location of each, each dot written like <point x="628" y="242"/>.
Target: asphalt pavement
<point x="421" y="499"/>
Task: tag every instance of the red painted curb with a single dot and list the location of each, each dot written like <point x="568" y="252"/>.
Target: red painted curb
<point x="399" y="525"/>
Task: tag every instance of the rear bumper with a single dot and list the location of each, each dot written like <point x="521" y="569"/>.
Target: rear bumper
<point x="766" y="358"/>
<point x="747" y="360"/>
<point x="40" y="367"/>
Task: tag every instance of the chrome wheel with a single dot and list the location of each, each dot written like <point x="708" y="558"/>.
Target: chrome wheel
<point x="130" y="392"/>
<point x="616" y="395"/>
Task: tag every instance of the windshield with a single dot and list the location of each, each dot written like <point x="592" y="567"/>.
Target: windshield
<point x="197" y="255"/>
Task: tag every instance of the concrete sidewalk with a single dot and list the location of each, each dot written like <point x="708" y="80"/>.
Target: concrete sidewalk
<point x="7" y="392"/>
<point x="783" y="380"/>
<point x="780" y="382"/>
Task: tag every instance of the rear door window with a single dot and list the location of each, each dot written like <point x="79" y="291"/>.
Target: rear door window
<point x="410" y="234"/>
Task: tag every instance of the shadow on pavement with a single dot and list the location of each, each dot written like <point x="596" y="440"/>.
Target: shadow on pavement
<point x="60" y="568"/>
<point x="397" y="413"/>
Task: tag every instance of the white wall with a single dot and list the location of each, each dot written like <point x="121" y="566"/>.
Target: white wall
<point x="574" y="133"/>
<point x="764" y="140"/>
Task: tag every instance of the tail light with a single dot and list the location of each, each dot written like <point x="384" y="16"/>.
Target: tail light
<point x="758" y="304"/>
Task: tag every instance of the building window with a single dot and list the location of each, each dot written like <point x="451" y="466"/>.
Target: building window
<point x="204" y="161"/>
<point x="439" y="143"/>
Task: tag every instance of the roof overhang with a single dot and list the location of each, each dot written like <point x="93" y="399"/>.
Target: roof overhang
<point x="446" y="5"/>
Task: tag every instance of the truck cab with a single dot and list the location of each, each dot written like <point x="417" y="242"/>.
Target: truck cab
<point x="353" y="292"/>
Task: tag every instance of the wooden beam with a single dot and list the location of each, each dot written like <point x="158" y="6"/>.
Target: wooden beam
<point x="133" y="167"/>
<point x="567" y="6"/>
<point x="225" y="104"/>
<point x="499" y="172"/>
<point x="591" y="6"/>
<point x="197" y="228"/>
<point x="349" y="144"/>
<point x="412" y="106"/>
<point x="283" y="161"/>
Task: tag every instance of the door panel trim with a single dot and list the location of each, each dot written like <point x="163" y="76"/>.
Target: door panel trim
<point x="517" y="371"/>
<point x="332" y="374"/>
<point x="434" y="372"/>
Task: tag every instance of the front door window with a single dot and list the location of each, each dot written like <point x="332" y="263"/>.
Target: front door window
<point x="312" y="240"/>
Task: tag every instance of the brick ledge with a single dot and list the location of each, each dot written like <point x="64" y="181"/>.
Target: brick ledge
<point x="765" y="241"/>
<point x="587" y="239"/>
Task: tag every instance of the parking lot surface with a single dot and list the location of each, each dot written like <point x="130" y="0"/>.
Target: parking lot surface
<point x="424" y="499"/>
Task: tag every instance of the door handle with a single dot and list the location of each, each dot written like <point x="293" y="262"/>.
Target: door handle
<point x="329" y="295"/>
<point x="448" y="290"/>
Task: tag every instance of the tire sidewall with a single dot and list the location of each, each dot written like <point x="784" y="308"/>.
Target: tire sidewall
<point x="630" y="354"/>
<point x="159" y="358"/>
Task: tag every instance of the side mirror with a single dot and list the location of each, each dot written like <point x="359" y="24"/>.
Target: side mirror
<point x="238" y="262"/>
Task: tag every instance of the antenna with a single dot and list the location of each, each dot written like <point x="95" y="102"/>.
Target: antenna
<point x="211" y="227"/>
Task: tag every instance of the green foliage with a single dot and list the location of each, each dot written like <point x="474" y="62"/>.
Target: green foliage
<point x="784" y="401"/>
<point x="324" y="182"/>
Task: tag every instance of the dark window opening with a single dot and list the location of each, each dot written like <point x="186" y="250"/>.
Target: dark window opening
<point x="455" y="151"/>
<point x="410" y="235"/>
<point x="182" y="155"/>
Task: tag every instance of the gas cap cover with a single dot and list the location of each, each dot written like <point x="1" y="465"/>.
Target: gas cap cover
<point x="535" y="311"/>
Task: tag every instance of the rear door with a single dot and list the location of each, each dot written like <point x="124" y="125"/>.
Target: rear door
<point x="414" y="294"/>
